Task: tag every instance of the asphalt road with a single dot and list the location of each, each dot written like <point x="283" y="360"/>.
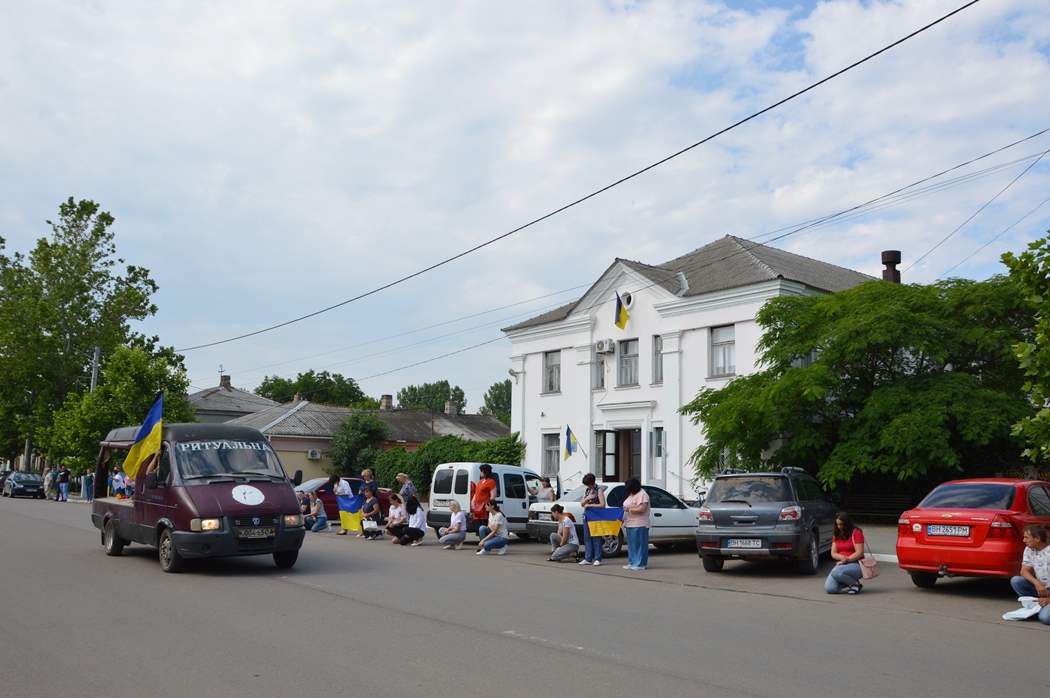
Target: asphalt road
<point x="360" y="618"/>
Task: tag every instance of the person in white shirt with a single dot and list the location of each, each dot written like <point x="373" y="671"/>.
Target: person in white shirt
<point x="396" y="521"/>
<point x="341" y="488"/>
<point x="417" y="522"/>
<point x="456" y="532"/>
<point x="1034" y="579"/>
<point x="564" y="543"/>
<point x="494" y="533"/>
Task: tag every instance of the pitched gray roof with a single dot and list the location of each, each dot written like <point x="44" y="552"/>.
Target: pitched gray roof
<point x="226" y="399"/>
<point x="317" y="420"/>
<point x="728" y="263"/>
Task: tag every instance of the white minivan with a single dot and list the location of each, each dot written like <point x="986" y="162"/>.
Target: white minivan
<point x="514" y="492"/>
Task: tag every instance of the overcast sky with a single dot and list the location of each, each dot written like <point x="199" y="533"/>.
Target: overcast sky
<point x="266" y="160"/>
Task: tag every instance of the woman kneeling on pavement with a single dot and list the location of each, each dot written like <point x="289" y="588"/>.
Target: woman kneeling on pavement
<point x="847" y="548"/>
<point x="493" y="535"/>
<point x="417" y="522"/>
<point x="456" y="533"/>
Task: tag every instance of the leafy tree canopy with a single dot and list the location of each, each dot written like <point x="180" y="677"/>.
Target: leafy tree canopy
<point x="329" y="388"/>
<point x="56" y="305"/>
<point x="431" y="396"/>
<point x="128" y="382"/>
<point x="883" y="378"/>
<point x="357" y="442"/>
<point x="497" y="401"/>
<point x="1031" y="271"/>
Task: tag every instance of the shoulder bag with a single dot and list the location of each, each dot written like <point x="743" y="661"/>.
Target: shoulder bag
<point x="869" y="567"/>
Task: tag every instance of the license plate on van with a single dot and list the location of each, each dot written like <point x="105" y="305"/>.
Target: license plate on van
<point x="439" y="503"/>
<point x="744" y="543"/>
<point x="256" y="533"/>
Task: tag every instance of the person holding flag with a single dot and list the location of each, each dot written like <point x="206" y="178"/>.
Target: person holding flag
<point x="147" y="440"/>
<point x="593" y="498"/>
<point x="350" y="511"/>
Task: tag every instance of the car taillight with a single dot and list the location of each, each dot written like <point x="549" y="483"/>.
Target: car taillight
<point x="1002" y="527"/>
<point x="705" y="515"/>
<point x="904" y="525"/>
<point x="532" y="515"/>
<point x="792" y="513"/>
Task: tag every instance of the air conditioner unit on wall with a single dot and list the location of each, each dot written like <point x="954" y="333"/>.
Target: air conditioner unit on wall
<point x="314" y="454"/>
<point x="605" y="346"/>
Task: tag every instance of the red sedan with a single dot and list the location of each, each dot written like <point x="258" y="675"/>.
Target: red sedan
<point x="970" y="528"/>
<point x="327" y="497"/>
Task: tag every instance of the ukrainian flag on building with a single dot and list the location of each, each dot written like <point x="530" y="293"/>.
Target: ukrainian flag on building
<point x="603" y="521"/>
<point x="147" y="439"/>
<point x="350" y="511"/>
<point x="571" y="444"/>
<point x="621" y="313"/>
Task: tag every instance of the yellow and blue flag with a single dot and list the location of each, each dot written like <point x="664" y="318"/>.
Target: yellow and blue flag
<point x="621" y="313"/>
<point x="350" y="511"/>
<point x="571" y="444"/>
<point x="147" y="439"/>
<point x="603" y="521"/>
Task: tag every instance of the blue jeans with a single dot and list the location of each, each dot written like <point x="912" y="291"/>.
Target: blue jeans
<point x="592" y="547"/>
<point x="1023" y="587"/>
<point x="63" y="489"/>
<point x="493" y="543"/>
<point x="637" y="546"/>
<point x="842" y="577"/>
<point x="451" y="538"/>
<point x="320" y="525"/>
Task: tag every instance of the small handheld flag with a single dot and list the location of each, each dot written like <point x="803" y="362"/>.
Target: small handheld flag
<point x="603" y="521"/>
<point x="147" y="439"/>
<point x="571" y="444"/>
<point x="621" y="313"/>
<point x="350" y="511"/>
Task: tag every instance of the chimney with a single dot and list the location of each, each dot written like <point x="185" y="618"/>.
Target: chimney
<point x="891" y="258"/>
<point x="386" y="402"/>
<point x="224" y="382"/>
<point x="298" y="397"/>
<point x="450" y="408"/>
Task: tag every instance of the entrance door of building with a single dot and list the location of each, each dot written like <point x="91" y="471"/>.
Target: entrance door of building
<point x="619" y="454"/>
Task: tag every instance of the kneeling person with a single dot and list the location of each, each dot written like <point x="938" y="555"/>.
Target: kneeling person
<point x="564" y="543"/>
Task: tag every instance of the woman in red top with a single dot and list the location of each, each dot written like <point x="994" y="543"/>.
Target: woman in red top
<point x="482" y="493"/>
<point x="847" y="548"/>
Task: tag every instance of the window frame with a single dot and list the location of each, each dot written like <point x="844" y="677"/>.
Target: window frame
<point x="549" y="467"/>
<point x="551" y="372"/>
<point x="658" y="359"/>
<point x="627" y="362"/>
<point x="723" y="352"/>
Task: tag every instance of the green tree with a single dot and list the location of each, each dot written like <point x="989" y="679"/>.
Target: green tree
<point x="329" y="388"/>
<point x="1031" y="271"/>
<point x="357" y="442"/>
<point x="56" y="305"/>
<point x="128" y="382"/>
<point x="883" y="378"/>
<point x="431" y="396"/>
<point x="497" y="401"/>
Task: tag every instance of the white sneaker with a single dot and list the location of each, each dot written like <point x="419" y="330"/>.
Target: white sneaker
<point x="483" y="552"/>
<point x="584" y="562"/>
<point x="459" y="546"/>
<point x="329" y="527"/>
<point x="415" y="543"/>
<point x="637" y="568"/>
<point x="448" y="547"/>
<point x="502" y="551"/>
<point x="628" y="567"/>
<point x="597" y="563"/>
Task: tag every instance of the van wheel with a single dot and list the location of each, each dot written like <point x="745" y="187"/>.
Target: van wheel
<point x="612" y="545"/>
<point x="114" y="543"/>
<point x="811" y="562"/>
<point x="925" y="580"/>
<point x="286" y="558"/>
<point x="170" y="560"/>
<point x="713" y="564"/>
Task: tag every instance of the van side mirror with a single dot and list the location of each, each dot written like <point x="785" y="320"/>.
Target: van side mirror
<point x="298" y="478"/>
<point x="151" y="481"/>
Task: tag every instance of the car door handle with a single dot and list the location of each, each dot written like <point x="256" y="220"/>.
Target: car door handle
<point x="655" y="514"/>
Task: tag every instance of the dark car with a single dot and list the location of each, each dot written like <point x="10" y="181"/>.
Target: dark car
<point x="765" y="516"/>
<point x="23" y="484"/>
<point x="327" y="496"/>
<point x="970" y="528"/>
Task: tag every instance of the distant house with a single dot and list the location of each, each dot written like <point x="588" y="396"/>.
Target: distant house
<point x="225" y="402"/>
<point x="690" y="325"/>
<point x="301" y="431"/>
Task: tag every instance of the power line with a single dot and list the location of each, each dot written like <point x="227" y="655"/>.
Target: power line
<point x="595" y="193"/>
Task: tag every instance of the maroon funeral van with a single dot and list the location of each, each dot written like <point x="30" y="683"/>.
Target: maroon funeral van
<point x="216" y="491"/>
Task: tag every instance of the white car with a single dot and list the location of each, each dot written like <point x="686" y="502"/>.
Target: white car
<point x="673" y="521"/>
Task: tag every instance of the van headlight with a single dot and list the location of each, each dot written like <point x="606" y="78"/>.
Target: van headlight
<point x="198" y="525"/>
<point x="293" y="520"/>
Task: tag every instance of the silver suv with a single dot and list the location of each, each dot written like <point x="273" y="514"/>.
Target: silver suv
<point x="766" y="516"/>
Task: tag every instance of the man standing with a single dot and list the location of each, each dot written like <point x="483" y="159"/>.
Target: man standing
<point x="1035" y="570"/>
<point x="63" y="483"/>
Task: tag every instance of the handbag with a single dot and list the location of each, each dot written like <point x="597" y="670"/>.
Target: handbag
<point x="869" y="567"/>
<point x="369" y="525"/>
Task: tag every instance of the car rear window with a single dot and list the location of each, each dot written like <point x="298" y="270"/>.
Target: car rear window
<point x="443" y="481"/>
<point x="749" y="489"/>
<point x="970" y="495"/>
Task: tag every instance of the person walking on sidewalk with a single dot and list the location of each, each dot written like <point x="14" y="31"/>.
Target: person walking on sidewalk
<point x="63" y="483"/>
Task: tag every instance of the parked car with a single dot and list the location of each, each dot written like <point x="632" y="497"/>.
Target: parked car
<point x="23" y="484"/>
<point x="766" y="516"/>
<point x="327" y="496"/>
<point x="457" y="481"/>
<point x="673" y="521"/>
<point x="4" y="474"/>
<point x="970" y="528"/>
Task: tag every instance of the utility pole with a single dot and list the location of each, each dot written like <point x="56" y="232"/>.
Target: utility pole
<point x="94" y="370"/>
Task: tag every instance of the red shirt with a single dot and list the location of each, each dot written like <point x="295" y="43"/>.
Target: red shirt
<point x="848" y="547"/>
<point x="482" y="494"/>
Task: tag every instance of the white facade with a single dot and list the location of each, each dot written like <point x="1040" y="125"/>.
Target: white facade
<point x="631" y="425"/>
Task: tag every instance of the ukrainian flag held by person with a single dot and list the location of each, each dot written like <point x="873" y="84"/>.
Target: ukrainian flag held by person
<point x="350" y="511"/>
<point x="571" y="444"/>
<point x="603" y="521"/>
<point x="147" y="440"/>
<point x="621" y="313"/>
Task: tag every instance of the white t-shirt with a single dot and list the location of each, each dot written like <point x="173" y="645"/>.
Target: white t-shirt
<point x="397" y="514"/>
<point x="497" y="523"/>
<point x="460" y="517"/>
<point x="1039" y="561"/>
<point x="567" y="524"/>
<point x="418" y="520"/>
<point x="342" y="489"/>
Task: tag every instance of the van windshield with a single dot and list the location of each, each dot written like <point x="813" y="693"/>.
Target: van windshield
<point x="211" y="460"/>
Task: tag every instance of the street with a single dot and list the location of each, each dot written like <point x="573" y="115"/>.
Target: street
<point x="363" y="618"/>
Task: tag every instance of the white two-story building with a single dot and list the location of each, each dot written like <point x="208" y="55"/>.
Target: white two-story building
<point x="690" y="324"/>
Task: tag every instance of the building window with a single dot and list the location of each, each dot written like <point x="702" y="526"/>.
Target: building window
<point x="628" y="362"/>
<point x="552" y="372"/>
<point x="658" y="359"/>
<point x="551" y="453"/>
<point x="723" y="351"/>
<point x="598" y="377"/>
